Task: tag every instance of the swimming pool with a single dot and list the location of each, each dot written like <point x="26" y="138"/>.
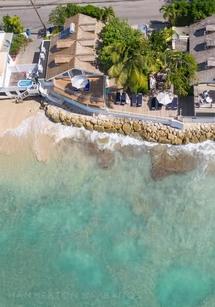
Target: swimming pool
<point x="25" y="83"/>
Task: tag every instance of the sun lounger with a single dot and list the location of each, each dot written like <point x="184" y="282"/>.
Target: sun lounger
<point x="123" y="99"/>
<point x="175" y="104"/>
<point x="139" y="100"/>
<point x="87" y="87"/>
<point x="118" y="98"/>
<point x="153" y="103"/>
<point x="133" y="100"/>
<point x="159" y="106"/>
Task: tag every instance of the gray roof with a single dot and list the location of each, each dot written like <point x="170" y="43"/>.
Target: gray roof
<point x="202" y="47"/>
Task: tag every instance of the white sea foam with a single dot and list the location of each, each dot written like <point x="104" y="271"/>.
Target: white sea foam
<point x="40" y="124"/>
<point x="205" y="149"/>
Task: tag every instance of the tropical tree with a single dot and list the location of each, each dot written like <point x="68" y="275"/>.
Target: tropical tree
<point x="12" y="24"/>
<point x="126" y="55"/>
<point x="181" y="69"/>
<point x="108" y="14"/>
<point x="19" y="41"/>
<point x="169" y="13"/>
<point x="115" y="31"/>
<point x="128" y="67"/>
<point x="58" y="15"/>
<point x="202" y="9"/>
<point x="161" y="40"/>
<point x="177" y="12"/>
<point x="185" y="12"/>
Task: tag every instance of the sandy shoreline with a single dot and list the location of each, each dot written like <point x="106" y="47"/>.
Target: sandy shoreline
<point x="11" y="114"/>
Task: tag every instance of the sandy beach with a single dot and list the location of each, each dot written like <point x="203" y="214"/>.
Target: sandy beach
<point x="12" y="114"/>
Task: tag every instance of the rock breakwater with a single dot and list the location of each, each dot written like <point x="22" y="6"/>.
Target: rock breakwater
<point x="148" y="131"/>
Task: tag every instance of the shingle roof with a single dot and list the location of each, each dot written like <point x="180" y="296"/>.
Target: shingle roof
<point x="74" y="50"/>
<point x="202" y="47"/>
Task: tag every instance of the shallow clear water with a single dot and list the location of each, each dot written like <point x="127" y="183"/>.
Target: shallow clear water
<point x="75" y="234"/>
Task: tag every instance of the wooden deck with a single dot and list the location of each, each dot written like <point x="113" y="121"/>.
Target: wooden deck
<point x="94" y="97"/>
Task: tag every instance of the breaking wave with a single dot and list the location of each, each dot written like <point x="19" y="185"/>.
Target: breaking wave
<point x="40" y="125"/>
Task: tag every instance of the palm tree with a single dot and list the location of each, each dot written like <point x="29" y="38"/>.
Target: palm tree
<point x="180" y="69"/>
<point x="128" y="66"/>
<point x="108" y="13"/>
<point x="178" y="12"/>
<point x="169" y="12"/>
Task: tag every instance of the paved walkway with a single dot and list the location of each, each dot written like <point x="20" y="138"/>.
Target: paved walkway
<point x="30" y="53"/>
<point x="55" y="98"/>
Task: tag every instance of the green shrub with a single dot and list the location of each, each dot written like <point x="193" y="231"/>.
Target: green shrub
<point x="12" y="24"/>
<point x="186" y="12"/>
<point x="58" y="15"/>
<point x="18" y="42"/>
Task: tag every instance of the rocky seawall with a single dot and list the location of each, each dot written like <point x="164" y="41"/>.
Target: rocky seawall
<point x="148" y="131"/>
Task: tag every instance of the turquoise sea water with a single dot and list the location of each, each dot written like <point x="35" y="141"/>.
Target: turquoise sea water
<point x="73" y="233"/>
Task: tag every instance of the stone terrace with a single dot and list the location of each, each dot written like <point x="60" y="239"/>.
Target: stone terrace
<point x="145" y="109"/>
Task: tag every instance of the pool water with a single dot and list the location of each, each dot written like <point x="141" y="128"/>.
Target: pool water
<point x="25" y="83"/>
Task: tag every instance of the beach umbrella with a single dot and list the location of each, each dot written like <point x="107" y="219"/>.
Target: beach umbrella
<point x="79" y="81"/>
<point x="164" y="98"/>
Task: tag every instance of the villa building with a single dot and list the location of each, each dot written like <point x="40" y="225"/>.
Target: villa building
<point x="5" y="58"/>
<point x="64" y="70"/>
<point x="11" y="72"/>
<point x="68" y="54"/>
<point x="202" y="47"/>
<point x="72" y="53"/>
<point x="199" y="40"/>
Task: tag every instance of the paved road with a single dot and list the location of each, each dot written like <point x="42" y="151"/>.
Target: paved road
<point x="135" y="11"/>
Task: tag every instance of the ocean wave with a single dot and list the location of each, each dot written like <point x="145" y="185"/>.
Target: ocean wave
<point x="205" y="149"/>
<point x="40" y="124"/>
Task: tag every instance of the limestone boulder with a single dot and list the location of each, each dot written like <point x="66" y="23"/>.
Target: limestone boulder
<point x="99" y="128"/>
<point x="149" y="131"/>
<point x="136" y="126"/>
<point x="111" y="130"/>
<point x="52" y="114"/>
<point x="127" y="128"/>
<point x="88" y="125"/>
<point x="107" y="124"/>
<point x="62" y="117"/>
